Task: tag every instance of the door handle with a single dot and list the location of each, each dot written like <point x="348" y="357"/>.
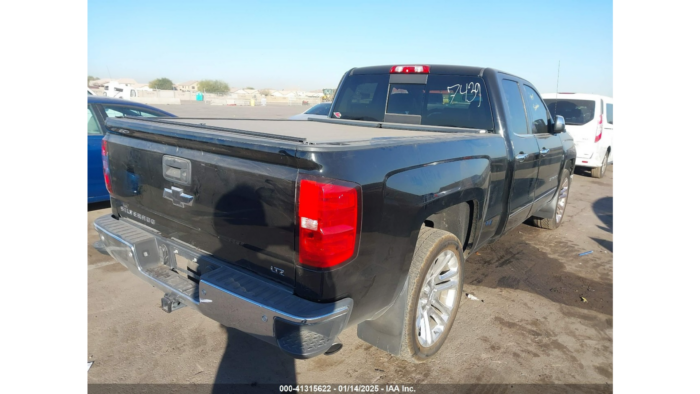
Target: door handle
<point x="544" y="151"/>
<point x="522" y="156"/>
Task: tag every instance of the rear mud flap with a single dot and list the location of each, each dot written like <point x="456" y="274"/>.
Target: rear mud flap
<point x="548" y="209"/>
<point x="386" y="331"/>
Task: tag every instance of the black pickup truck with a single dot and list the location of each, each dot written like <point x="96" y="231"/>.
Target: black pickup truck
<point x="293" y="231"/>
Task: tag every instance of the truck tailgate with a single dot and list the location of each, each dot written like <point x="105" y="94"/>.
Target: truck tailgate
<point x="237" y="205"/>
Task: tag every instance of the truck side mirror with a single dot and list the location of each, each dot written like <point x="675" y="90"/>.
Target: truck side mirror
<point x="559" y="124"/>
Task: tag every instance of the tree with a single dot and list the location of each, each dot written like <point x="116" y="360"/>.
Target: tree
<point x="213" y="86"/>
<point x="161" y="84"/>
<point x="265" y="92"/>
<point x="249" y="88"/>
<point x="91" y="78"/>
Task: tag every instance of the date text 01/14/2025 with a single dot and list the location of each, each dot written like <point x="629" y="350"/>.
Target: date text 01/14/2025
<point x="348" y="389"/>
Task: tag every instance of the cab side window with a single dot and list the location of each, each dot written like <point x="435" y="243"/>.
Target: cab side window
<point x="515" y="109"/>
<point x="537" y="111"/>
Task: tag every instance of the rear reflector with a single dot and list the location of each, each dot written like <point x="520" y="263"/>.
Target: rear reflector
<point x="410" y="70"/>
<point x="328" y="222"/>
<point x="105" y="166"/>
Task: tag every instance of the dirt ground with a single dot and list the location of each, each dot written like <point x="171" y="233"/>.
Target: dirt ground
<point x="533" y="325"/>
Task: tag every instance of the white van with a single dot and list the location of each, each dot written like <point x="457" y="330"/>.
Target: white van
<point x="589" y="119"/>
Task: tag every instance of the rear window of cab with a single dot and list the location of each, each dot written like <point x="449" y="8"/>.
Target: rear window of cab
<point x="445" y="100"/>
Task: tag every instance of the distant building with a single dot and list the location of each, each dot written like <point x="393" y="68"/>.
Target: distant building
<point x="285" y="93"/>
<point x="141" y="86"/>
<point x="249" y="92"/>
<point x="189" y="86"/>
<point x="295" y="94"/>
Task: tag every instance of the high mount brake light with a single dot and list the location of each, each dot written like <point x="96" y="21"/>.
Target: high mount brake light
<point x="410" y="69"/>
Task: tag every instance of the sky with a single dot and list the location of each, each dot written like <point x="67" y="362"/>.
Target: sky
<point x="309" y="45"/>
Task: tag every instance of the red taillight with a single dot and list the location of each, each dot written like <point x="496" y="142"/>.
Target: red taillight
<point x="328" y="222"/>
<point x="105" y="166"/>
<point x="599" y="129"/>
<point x="410" y="69"/>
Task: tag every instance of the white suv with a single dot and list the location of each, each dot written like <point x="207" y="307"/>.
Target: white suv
<point x="589" y="119"/>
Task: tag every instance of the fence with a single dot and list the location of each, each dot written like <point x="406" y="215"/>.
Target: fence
<point x="270" y="101"/>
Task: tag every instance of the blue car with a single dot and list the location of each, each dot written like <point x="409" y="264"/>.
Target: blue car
<point x="99" y="109"/>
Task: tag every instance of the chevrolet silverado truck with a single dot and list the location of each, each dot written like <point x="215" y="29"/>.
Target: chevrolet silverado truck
<point x="293" y="231"/>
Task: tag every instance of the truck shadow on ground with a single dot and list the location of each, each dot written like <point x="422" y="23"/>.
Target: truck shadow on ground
<point x="248" y="360"/>
<point x="515" y="263"/>
<point x="241" y="214"/>
<point x="603" y="208"/>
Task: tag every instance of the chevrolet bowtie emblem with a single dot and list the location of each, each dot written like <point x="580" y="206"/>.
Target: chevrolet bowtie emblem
<point x="178" y="198"/>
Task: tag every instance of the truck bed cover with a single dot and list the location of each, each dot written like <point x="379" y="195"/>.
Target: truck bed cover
<point x="306" y="132"/>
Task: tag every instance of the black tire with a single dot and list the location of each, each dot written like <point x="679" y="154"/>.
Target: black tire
<point x="555" y="221"/>
<point x="599" y="172"/>
<point x="430" y="246"/>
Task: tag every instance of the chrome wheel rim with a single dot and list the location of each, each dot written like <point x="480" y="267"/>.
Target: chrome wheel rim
<point x="438" y="298"/>
<point x="561" y="202"/>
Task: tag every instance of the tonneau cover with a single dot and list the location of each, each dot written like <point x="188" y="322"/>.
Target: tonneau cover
<point x="310" y="132"/>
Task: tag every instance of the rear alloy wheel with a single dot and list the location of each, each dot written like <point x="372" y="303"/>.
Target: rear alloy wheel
<point x="562" y="198"/>
<point x="434" y="292"/>
<point x="437" y="299"/>
<point x="600" y="171"/>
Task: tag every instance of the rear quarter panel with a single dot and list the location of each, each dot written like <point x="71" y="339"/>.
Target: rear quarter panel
<point x="402" y="185"/>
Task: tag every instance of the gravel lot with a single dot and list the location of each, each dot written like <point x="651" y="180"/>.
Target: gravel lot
<point x="533" y="326"/>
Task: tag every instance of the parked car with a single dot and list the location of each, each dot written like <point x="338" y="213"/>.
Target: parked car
<point x="589" y="119"/>
<point x="294" y="231"/>
<point x="99" y="109"/>
<point x="317" y="111"/>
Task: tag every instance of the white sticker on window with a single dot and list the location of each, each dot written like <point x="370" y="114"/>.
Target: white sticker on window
<point x="471" y="89"/>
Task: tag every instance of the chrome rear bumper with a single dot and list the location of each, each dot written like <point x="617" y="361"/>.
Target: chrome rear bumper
<point x="233" y="297"/>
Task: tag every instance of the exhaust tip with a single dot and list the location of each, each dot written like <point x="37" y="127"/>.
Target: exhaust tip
<point x="335" y="348"/>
